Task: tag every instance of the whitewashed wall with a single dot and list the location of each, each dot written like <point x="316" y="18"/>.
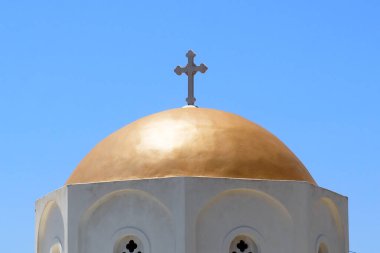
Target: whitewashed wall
<point x="188" y="215"/>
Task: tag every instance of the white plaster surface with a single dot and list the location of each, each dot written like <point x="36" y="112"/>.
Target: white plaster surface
<point x="51" y="220"/>
<point x="192" y="215"/>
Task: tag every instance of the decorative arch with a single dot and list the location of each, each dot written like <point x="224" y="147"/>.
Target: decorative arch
<point x="327" y="226"/>
<point x="322" y="244"/>
<point x="125" y="214"/>
<point x="124" y="239"/>
<point x="334" y="212"/>
<point x="50" y="229"/>
<point x="56" y="248"/>
<point x="243" y="212"/>
<point x="129" y="244"/>
<point x="247" y="234"/>
<point x="323" y="248"/>
<point x="243" y="244"/>
<point x="270" y="200"/>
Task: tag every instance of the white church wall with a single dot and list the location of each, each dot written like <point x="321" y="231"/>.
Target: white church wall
<point x="279" y="216"/>
<point x="244" y="212"/>
<point x="102" y="214"/>
<point x="329" y="224"/>
<point x="270" y="212"/>
<point x="203" y="215"/>
<point x="50" y="223"/>
<point x="126" y="213"/>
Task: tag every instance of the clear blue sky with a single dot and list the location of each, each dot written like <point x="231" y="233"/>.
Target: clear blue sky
<point x="72" y="72"/>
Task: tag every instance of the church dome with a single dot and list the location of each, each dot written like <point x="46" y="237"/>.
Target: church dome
<point x="193" y="142"/>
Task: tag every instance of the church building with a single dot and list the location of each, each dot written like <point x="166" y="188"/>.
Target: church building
<point x="191" y="180"/>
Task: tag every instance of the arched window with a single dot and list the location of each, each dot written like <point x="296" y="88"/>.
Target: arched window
<point x="56" y="248"/>
<point x="243" y="244"/>
<point x="129" y="244"/>
<point x="322" y="248"/>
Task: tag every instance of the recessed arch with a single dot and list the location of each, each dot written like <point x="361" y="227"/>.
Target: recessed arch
<point x="334" y="212"/>
<point x="270" y="200"/>
<point x="129" y="244"/>
<point x="322" y="248"/>
<point x="328" y="226"/>
<point x="243" y="244"/>
<point x="116" y="194"/>
<point x="123" y="214"/>
<point x="50" y="229"/>
<point x="250" y="209"/>
<point x="122" y="237"/>
<point x="243" y="232"/>
<point x="56" y="248"/>
<point x="322" y="244"/>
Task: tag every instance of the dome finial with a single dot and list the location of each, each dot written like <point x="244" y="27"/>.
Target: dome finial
<point x="190" y="70"/>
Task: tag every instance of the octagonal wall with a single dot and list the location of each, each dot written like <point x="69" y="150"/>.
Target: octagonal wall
<point x="186" y="214"/>
<point x="51" y="222"/>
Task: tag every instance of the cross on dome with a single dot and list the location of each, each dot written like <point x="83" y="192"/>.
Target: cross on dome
<point x="190" y="70"/>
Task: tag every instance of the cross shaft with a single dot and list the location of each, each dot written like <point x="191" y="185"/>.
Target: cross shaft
<point x="190" y="70"/>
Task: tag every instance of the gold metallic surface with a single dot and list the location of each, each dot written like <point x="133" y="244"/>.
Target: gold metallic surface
<point x="194" y="142"/>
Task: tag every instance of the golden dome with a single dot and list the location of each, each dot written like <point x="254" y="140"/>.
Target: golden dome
<point x="191" y="142"/>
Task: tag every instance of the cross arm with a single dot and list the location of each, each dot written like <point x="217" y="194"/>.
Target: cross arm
<point x="201" y="68"/>
<point x="179" y="71"/>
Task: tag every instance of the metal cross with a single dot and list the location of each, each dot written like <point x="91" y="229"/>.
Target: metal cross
<point x="190" y="70"/>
